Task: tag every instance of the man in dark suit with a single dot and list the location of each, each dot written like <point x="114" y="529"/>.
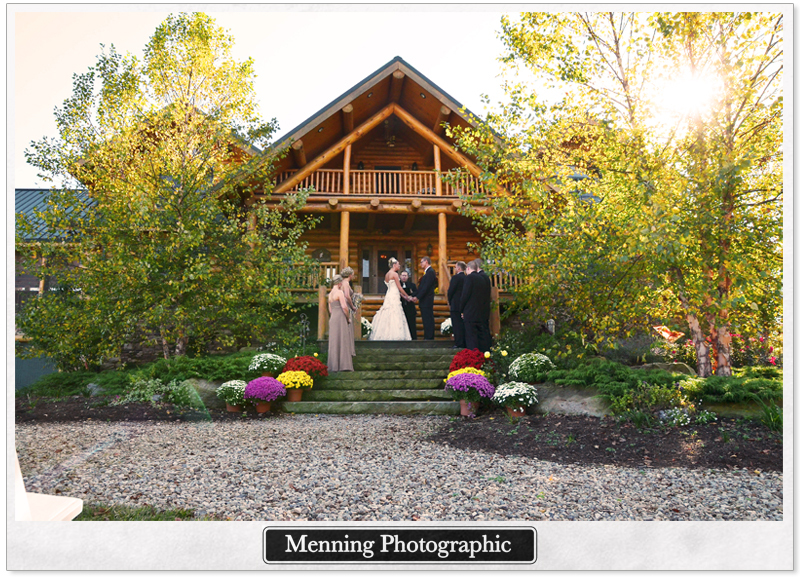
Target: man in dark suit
<point x="410" y="308"/>
<point x="475" y="307"/>
<point x="486" y="327"/>
<point x="454" y="299"/>
<point x="425" y="293"/>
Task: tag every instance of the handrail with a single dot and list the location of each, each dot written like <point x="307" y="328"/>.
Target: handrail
<point x="502" y="280"/>
<point x="382" y="182"/>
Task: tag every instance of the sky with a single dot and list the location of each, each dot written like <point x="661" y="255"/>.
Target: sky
<point x="305" y="56"/>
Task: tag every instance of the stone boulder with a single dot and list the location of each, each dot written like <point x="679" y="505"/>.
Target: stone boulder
<point x="570" y="400"/>
<point x="207" y="390"/>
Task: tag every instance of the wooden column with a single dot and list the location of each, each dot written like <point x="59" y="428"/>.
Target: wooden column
<point x="344" y="229"/>
<point x="444" y="276"/>
<point x="344" y="239"/>
<point x="322" y="324"/>
<point x="494" y="316"/>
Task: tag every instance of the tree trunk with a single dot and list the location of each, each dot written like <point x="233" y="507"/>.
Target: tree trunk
<point x="165" y="348"/>
<point x="723" y="352"/>
<point x="700" y="346"/>
<point x="180" y="346"/>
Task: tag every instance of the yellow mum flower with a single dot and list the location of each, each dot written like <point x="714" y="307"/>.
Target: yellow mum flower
<point x="503" y="353"/>
<point x="466" y="369"/>
<point x="487" y="354"/>
<point x="296" y="379"/>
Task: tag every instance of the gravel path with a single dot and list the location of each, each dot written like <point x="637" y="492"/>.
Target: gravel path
<point x="369" y="467"/>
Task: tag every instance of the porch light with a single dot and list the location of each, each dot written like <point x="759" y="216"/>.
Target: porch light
<point x="422" y="95"/>
<point x="429" y="249"/>
<point x="369" y="94"/>
<point x="320" y="129"/>
<point x="414" y="166"/>
<point x="360" y="165"/>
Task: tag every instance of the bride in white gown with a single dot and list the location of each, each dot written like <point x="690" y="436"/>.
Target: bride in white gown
<point x="390" y="321"/>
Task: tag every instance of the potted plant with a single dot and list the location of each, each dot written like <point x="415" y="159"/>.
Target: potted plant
<point x="308" y="364"/>
<point x="295" y="381"/>
<point x="267" y="364"/>
<point x="467" y="357"/>
<point x="516" y="397"/>
<point x="447" y="327"/>
<point x="232" y="392"/>
<point x="262" y="391"/>
<point x="530" y="368"/>
<point x="469" y="388"/>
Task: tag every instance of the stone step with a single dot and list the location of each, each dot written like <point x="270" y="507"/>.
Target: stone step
<point x="365" y="375"/>
<point x="389" y="366"/>
<point x="395" y="384"/>
<point x="377" y="395"/>
<point x="374" y="407"/>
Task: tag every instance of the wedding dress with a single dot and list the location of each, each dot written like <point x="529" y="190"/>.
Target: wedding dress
<point x="390" y="321"/>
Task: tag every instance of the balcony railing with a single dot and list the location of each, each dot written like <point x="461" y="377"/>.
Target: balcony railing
<point x="504" y="282"/>
<point x="383" y="182"/>
<point x="306" y="278"/>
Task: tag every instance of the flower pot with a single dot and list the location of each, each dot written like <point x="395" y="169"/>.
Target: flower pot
<point x="294" y="395"/>
<point x="468" y="408"/>
<point x="263" y="406"/>
<point x="515" y="412"/>
<point x="268" y="374"/>
<point x="233" y="408"/>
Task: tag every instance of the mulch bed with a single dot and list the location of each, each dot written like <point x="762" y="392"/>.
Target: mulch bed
<point x="725" y="444"/>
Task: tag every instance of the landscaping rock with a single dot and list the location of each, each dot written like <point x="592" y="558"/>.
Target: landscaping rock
<point x="571" y="400"/>
<point x="208" y="393"/>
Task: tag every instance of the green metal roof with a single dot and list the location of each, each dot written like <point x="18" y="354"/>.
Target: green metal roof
<point x="28" y="200"/>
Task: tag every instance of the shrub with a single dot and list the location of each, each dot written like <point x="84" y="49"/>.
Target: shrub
<point x="264" y="389"/>
<point x="232" y="392"/>
<point x="530" y="368"/>
<point x="468" y="357"/>
<point x="181" y="394"/>
<point x="308" y="364"/>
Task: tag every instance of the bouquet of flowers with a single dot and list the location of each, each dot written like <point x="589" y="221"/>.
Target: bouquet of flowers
<point x="358" y="299"/>
<point x="515" y="395"/>
<point x="296" y="379"/>
<point x="447" y="327"/>
<point x="264" y="389"/>
<point x="528" y="368"/>
<point x="467" y="357"/>
<point x="267" y="363"/>
<point x="232" y="392"/>
<point x="366" y="327"/>
<point x="469" y="387"/>
<point x="308" y="364"/>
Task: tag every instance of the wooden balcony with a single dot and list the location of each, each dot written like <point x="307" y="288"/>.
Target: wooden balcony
<point x="384" y="182"/>
<point x="504" y="282"/>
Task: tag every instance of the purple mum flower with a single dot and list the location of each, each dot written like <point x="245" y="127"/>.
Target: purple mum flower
<point x="466" y="382"/>
<point x="264" y="389"/>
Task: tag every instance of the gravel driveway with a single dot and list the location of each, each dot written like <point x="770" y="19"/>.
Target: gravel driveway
<point x="362" y="467"/>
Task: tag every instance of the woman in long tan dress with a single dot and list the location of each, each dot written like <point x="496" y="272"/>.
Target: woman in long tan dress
<point x="347" y="276"/>
<point x="339" y="356"/>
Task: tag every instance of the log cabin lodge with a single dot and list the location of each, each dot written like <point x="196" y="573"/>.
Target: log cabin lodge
<point x="375" y="157"/>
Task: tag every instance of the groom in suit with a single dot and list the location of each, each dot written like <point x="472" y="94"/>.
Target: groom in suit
<point x="425" y="292"/>
<point x="409" y="307"/>
<point x="476" y="298"/>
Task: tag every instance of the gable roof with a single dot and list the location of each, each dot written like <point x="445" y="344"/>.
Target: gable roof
<point x="395" y="82"/>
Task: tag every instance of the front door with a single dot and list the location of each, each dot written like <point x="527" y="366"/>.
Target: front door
<point x="375" y="264"/>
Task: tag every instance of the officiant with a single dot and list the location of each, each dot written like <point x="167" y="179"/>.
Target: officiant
<point x="410" y="308"/>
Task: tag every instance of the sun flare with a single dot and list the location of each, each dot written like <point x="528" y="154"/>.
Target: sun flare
<point x="683" y="96"/>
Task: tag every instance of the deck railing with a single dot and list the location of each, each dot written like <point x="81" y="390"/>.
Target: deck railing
<point x="383" y="182"/>
<point x="504" y="282"/>
<point x="306" y="278"/>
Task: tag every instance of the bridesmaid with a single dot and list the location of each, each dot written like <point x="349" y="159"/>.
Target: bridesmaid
<point x="347" y="276"/>
<point x="339" y="357"/>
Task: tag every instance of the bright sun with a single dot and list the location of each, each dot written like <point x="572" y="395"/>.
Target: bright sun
<point x="681" y="97"/>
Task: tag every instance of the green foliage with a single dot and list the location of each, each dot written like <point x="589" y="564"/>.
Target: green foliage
<point x="771" y="415"/>
<point x="740" y="389"/>
<point x="181" y="394"/>
<point x="164" y="241"/>
<point x="100" y="512"/>
<point x="618" y="209"/>
<point x="66" y="384"/>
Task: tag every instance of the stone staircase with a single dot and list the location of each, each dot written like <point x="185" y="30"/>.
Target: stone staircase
<point x="399" y="378"/>
<point x="441" y="311"/>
